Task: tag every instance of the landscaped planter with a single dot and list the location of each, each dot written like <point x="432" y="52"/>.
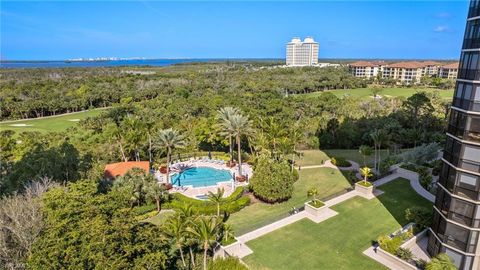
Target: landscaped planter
<point x="315" y="211"/>
<point x="240" y="178"/>
<point x="366" y="191"/>
<point x="163" y="169"/>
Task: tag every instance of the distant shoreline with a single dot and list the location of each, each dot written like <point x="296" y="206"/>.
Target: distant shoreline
<point x="12" y="64"/>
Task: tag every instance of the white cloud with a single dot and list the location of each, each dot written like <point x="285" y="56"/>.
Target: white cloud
<point x="441" y="29"/>
<point x="443" y="15"/>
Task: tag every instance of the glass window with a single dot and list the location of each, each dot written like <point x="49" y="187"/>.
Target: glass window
<point x="474" y="61"/>
<point x="467" y="179"/>
<point x="459" y="92"/>
<point x="471" y="153"/>
<point x="468" y="91"/>
<point x="477" y="93"/>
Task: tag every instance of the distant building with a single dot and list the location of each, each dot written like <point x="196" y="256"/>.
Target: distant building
<point x="302" y="53"/>
<point x="449" y="71"/>
<point x="404" y="72"/>
<point x="431" y="68"/>
<point x="115" y="170"/>
<point x="366" y="69"/>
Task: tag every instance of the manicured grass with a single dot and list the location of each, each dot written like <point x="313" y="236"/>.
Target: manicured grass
<point x="328" y="181"/>
<point x="338" y="242"/>
<point x="49" y="124"/>
<point x="315" y="157"/>
<point x="160" y="218"/>
<point x="389" y="92"/>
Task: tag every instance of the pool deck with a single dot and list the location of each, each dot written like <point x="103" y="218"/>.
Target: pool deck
<point x="228" y="186"/>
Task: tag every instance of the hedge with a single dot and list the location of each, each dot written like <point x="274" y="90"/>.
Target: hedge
<point x="233" y="203"/>
<point x="340" y="162"/>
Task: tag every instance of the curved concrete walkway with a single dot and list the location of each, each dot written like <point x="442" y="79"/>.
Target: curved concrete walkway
<point x="328" y="164"/>
<point x="414" y="183"/>
<point x="243" y="250"/>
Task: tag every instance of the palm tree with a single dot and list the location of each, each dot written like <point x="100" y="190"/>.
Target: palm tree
<point x="379" y="137"/>
<point x="224" y="115"/>
<point x="157" y="192"/>
<point x="313" y="193"/>
<point x="217" y="198"/>
<point x="176" y="229"/>
<point x="205" y="230"/>
<point x="366" y="172"/>
<point x="441" y="262"/>
<point x="365" y="151"/>
<point x="228" y="232"/>
<point x="239" y="125"/>
<point x="170" y="139"/>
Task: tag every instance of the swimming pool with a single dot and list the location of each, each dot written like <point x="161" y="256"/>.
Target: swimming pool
<point x="201" y="177"/>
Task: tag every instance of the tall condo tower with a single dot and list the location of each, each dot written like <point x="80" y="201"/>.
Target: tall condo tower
<point x="456" y="215"/>
<point x="302" y="53"/>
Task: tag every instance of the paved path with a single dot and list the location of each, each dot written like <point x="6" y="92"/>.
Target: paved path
<point x="328" y="164"/>
<point x="391" y="264"/>
<point x="414" y="183"/>
<point x="243" y="249"/>
<point x="272" y="227"/>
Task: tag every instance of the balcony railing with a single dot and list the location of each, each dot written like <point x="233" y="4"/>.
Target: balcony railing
<point x="469" y="74"/>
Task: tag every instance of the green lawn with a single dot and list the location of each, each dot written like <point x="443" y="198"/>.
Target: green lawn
<point x="389" y="92"/>
<point x="315" y="157"/>
<point x="338" y="242"/>
<point x="48" y="124"/>
<point x="328" y="181"/>
<point x="160" y="218"/>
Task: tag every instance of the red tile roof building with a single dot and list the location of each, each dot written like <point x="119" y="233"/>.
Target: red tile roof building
<point x="366" y="69"/>
<point x="403" y="72"/>
<point x="449" y="71"/>
<point x="114" y="170"/>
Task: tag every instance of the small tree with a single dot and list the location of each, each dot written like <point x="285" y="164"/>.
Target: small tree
<point x="272" y="180"/>
<point x="366" y="173"/>
<point x="313" y="193"/>
<point x="365" y="151"/>
<point x="217" y="198"/>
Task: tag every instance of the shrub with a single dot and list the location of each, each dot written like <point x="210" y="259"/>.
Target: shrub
<point x="316" y="203"/>
<point x="420" y="216"/>
<point x="387" y="163"/>
<point x="404" y="254"/>
<point x="391" y="245"/>
<point x="230" y="263"/>
<point x="272" y="180"/>
<point x="351" y="177"/>
<point x="421" y="263"/>
<point x="296" y="175"/>
<point x="233" y="203"/>
<point x="441" y="262"/>
<point x="437" y="167"/>
<point x="340" y="162"/>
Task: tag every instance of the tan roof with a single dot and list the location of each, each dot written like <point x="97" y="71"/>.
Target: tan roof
<point x="121" y="168"/>
<point x="431" y="63"/>
<point x="366" y="64"/>
<point x="409" y="64"/>
<point x="453" y="65"/>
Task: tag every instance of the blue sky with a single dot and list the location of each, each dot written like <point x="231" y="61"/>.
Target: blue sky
<point x="360" y="29"/>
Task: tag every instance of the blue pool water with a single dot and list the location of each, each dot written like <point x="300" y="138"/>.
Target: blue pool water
<point x="201" y="177"/>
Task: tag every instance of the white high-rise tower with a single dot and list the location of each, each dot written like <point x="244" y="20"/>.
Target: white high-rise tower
<point x="302" y="53"/>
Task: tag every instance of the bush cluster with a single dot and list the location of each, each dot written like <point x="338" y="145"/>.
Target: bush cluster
<point x="233" y="203"/>
<point x="340" y="162"/>
<point x="272" y="180"/>
<point x="420" y="216"/>
<point x="231" y="263"/>
<point x="392" y="244"/>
